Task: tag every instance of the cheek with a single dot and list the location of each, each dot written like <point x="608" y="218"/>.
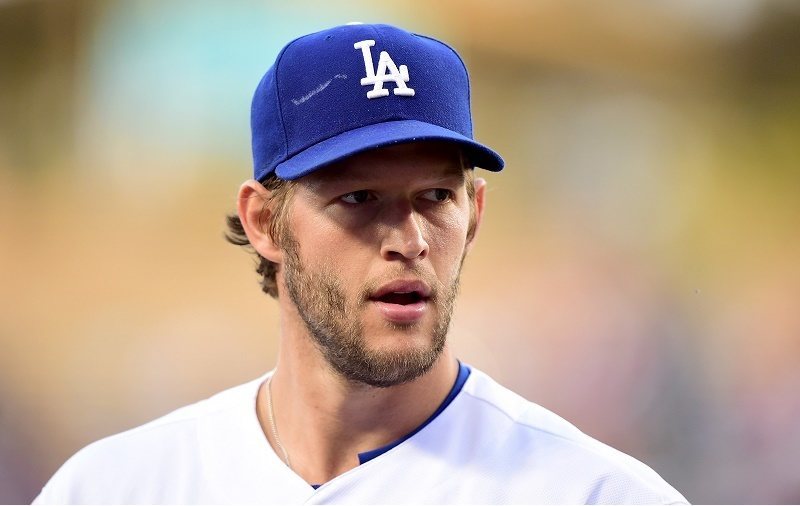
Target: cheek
<point x="325" y="246"/>
<point x="447" y="237"/>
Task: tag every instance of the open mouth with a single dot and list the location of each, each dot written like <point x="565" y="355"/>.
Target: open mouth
<point x="402" y="301"/>
<point x="401" y="298"/>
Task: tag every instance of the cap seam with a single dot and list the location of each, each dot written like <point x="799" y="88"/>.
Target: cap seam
<point x="466" y="73"/>
<point x="280" y="104"/>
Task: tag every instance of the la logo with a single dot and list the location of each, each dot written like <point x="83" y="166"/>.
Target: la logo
<point x="376" y="78"/>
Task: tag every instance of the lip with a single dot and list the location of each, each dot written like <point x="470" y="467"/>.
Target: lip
<point x="403" y="285"/>
<point x="402" y="313"/>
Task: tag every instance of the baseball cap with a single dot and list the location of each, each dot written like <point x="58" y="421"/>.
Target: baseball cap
<point x="335" y="93"/>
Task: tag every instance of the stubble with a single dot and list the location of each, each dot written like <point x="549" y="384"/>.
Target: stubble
<point x="335" y="325"/>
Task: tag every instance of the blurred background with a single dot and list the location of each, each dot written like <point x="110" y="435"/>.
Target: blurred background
<point x="637" y="272"/>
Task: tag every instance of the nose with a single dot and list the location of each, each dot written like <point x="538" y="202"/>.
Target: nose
<point x="404" y="237"/>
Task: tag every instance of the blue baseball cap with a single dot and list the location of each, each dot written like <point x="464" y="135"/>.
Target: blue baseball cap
<point x="335" y="93"/>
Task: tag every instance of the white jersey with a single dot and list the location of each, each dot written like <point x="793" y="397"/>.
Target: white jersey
<point x="488" y="446"/>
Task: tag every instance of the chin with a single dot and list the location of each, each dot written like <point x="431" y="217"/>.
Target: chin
<point x="401" y="341"/>
<point x="398" y="341"/>
<point x="388" y="332"/>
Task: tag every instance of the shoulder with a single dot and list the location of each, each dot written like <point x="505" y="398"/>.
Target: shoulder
<point x="530" y="442"/>
<point x="135" y="463"/>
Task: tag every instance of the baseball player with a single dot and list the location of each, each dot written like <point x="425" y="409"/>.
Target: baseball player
<point x="363" y="205"/>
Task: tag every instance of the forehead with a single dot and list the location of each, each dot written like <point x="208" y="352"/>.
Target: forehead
<point x="418" y="161"/>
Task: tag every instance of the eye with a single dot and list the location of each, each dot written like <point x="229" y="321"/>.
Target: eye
<point x="357" y="197"/>
<point x="437" y="195"/>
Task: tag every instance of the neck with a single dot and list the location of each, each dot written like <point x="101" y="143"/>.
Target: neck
<point x="324" y="421"/>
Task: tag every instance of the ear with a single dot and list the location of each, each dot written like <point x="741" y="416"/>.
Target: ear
<point x="255" y="216"/>
<point x="480" y="201"/>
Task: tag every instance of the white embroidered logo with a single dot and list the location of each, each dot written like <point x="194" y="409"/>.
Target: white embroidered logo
<point x="376" y="78"/>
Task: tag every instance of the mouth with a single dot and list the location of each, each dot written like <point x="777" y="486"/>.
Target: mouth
<point x="401" y="298"/>
<point x="402" y="292"/>
<point x="402" y="301"/>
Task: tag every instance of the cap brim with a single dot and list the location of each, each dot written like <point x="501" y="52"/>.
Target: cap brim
<point x="380" y="135"/>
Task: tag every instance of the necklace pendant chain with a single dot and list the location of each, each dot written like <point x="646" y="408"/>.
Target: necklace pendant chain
<point x="272" y="424"/>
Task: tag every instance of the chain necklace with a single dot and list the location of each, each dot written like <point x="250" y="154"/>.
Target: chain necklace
<point x="272" y="423"/>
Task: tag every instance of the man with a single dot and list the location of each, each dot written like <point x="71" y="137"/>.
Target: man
<point x="363" y="206"/>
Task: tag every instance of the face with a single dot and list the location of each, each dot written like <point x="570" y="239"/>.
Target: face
<point x="373" y="259"/>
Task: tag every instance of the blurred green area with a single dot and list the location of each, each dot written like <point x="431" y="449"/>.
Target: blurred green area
<point x="637" y="271"/>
